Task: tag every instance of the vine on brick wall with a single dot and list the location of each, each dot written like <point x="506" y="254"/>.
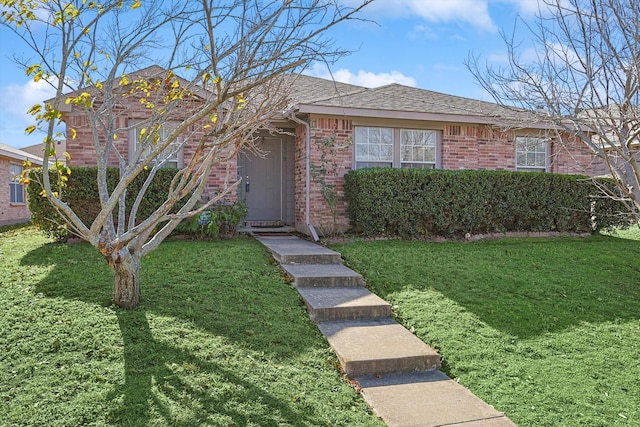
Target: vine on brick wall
<point x="324" y="173"/>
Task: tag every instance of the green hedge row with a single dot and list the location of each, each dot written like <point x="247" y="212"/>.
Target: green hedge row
<point x="81" y="193"/>
<point x="418" y="203"/>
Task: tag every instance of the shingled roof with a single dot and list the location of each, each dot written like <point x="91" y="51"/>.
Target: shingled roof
<point x="313" y="94"/>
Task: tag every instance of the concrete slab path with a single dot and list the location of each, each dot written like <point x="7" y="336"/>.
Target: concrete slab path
<point x="397" y="372"/>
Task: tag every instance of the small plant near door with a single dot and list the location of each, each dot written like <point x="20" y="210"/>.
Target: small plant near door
<point x="219" y="221"/>
<point x="325" y="172"/>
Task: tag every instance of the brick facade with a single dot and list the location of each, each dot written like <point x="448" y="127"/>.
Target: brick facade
<point x="337" y="161"/>
<point x="464" y="146"/>
<point x="461" y="146"/>
<point x="82" y="152"/>
<point x="10" y="213"/>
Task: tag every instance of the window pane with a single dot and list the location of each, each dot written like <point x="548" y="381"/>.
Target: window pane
<point x="386" y="135"/>
<point x="405" y="152"/>
<point x="386" y="152"/>
<point x="361" y="152"/>
<point x="16" y="193"/>
<point x="373" y="145"/>
<point x="170" y="154"/>
<point x="360" y="165"/>
<point x="418" y="165"/>
<point x="16" y="190"/>
<point x="374" y="152"/>
<point x="417" y="146"/>
<point x="531" y="152"/>
<point x="418" y="154"/>
<point x="15" y="171"/>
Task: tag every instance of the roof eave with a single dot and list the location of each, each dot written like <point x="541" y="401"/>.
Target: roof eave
<point x="18" y="156"/>
<point x="414" y="115"/>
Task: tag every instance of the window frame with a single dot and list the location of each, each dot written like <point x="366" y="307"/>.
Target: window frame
<point x="396" y="145"/>
<point x="419" y="164"/>
<point x="542" y="141"/>
<point x="15" y="187"/>
<point x="177" y="161"/>
<point x="368" y="162"/>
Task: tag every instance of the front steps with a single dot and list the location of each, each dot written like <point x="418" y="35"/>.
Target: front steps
<point x="356" y="322"/>
<point x="395" y="371"/>
<point x="377" y="346"/>
<point x="336" y="303"/>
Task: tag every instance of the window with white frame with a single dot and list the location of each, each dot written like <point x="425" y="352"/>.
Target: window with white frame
<point x="531" y="153"/>
<point x="374" y="147"/>
<point x="16" y="190"/>
<point x="170" y="156"/>
<point x="418" y="148"/>
<point x="395" y="147"/>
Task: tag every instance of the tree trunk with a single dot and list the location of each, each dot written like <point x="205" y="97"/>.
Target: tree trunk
<point x="126" y="284"/>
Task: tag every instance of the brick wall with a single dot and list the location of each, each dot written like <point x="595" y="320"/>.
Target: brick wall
<point x="10" y="213"/>
<point x="483" y="147"/>
<point x="477" y="147"/>
<point x="323" y="129"/>
<point x="464" y="146"/>
<point x="572" y="156"/>
<point x="82" y="151"/>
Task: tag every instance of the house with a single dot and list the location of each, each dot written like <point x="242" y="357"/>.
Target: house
<point x="37" y="150"/>
<point x="330" y="128"/>
<point x="13" y="197"/>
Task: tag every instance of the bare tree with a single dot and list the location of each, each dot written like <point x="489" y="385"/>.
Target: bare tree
<point x="236" y="58"/>
<point x="582" y="76"/>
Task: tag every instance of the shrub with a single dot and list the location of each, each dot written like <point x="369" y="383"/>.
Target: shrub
<point x="417" y="203"/>
<point x="221" y="220"/>
<point x="81" y="193"/>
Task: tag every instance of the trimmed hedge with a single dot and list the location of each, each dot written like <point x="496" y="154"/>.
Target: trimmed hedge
<point x="81" y="193"/>
<point x="417" y="203"/>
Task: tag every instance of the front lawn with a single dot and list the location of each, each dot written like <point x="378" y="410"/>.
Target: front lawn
<point x="545" y="330"/>
<point x="219" y="340"/>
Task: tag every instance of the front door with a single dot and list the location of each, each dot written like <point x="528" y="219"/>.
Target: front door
<point x="264" y="183"/>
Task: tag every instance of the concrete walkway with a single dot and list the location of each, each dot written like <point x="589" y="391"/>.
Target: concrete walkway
<point x="397" y="372"/>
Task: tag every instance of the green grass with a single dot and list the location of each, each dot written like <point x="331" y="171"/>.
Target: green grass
<point x="545" y="330"/>
<point x="219" y="340"/>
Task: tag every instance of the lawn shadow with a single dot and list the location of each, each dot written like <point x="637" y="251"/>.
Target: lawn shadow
<point x="155" y="382"/>
<point x="237" y="293"/>
<point x="241" y="299"/>
<point x="524" y="288"/>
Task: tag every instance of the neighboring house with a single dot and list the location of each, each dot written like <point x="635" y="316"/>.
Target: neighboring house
<point x="38" y="150"/>
<point x="393" y="125"/>
<point x="13" y="195"/>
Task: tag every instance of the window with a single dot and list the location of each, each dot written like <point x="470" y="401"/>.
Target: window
<point x="172" y="155"/>
<point x="16" y="190"/>
<point x="393" y="147"/>
<point x="531" y="153"/>
<point x="417" y="148"/>
<point x="374" y="147"/>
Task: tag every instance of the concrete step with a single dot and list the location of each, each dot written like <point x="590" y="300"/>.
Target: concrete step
<point x="293" y="250"/>
<point x="323" y="275"/>
<point x="377" y="346"/>
<point x="427" y="398"/>
<point x="343" y="303"/>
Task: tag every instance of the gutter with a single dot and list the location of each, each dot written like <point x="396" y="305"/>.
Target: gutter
<point x="21" y="157"/>
<point x="307" y="133"/>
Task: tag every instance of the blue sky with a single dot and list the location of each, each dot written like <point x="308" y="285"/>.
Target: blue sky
<point x="420" y="43"/>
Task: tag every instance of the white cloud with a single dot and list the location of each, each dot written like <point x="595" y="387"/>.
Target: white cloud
<point x="362" y="78"/>
<point x="474" y="12"/>
<point x="15" y="100"/>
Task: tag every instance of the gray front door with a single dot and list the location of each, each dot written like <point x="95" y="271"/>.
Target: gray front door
<point x="263" y="182"/>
